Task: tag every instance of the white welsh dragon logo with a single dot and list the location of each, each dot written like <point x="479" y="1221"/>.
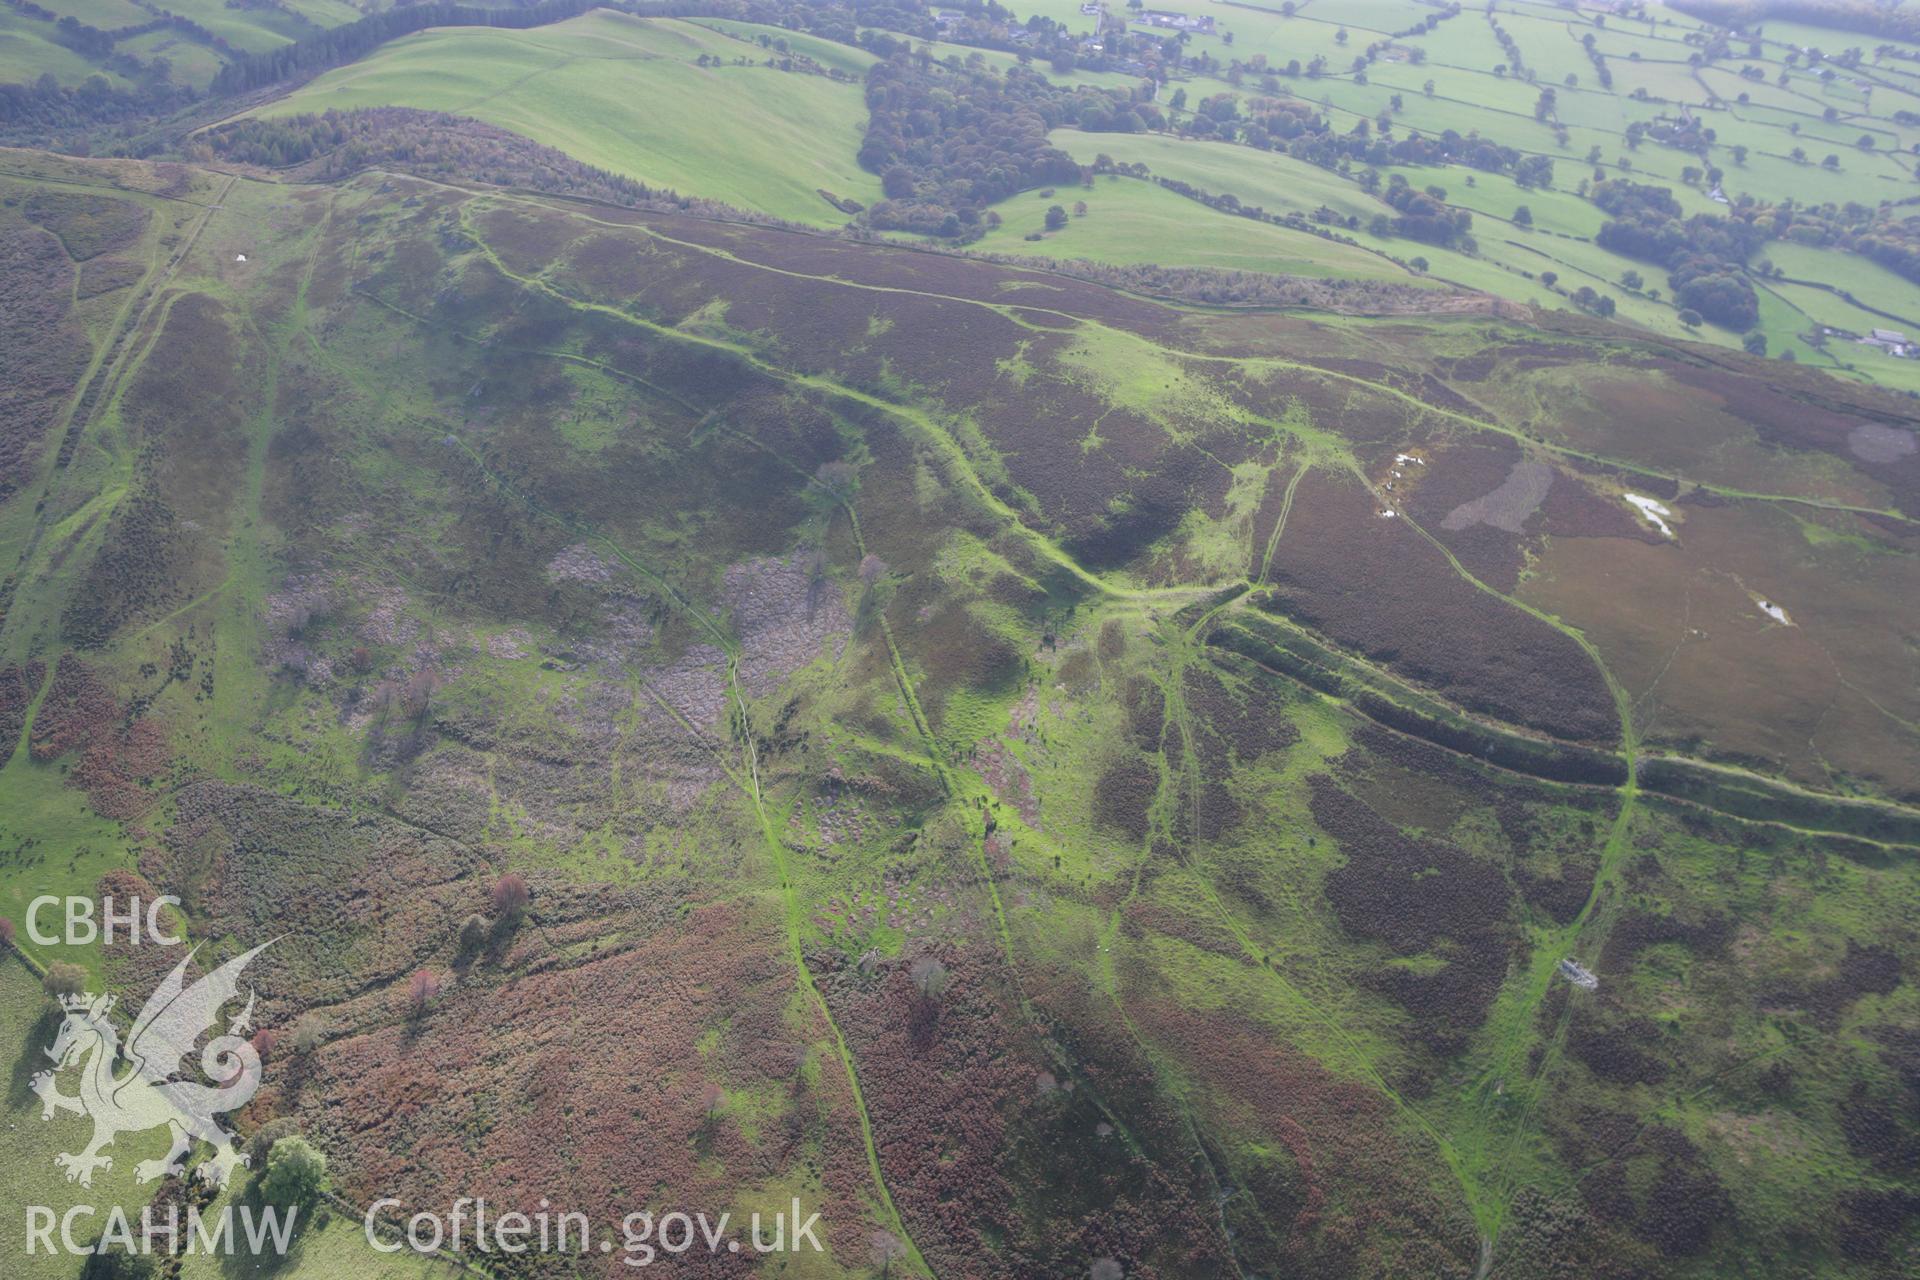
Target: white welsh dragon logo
<point x="147" y="1096"/>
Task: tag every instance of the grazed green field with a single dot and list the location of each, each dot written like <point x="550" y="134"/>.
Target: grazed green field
<point x="625" y="94"/>
<point x="1507" y="262"/>
<point x="191" y="63"/>
<point x="1868" y="282"/>
<point x="106" y="14"/>
<point x="253" y="29"/>
<point x="1128" y="221"/>
<point x="28" y="51"/>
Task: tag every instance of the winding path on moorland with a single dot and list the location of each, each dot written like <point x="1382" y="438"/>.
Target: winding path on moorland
<point x="1479" y="1154"/>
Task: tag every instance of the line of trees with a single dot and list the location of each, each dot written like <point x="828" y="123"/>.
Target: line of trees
<point x="47" y="104"/>
<point x="1892" y="21"/>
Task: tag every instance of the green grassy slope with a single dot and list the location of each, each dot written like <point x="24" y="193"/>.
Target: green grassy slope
<point x="105" y="14"/>
<point x="626" y="94"/>
<point x="1129" y="221"/>
<point x="29" y="51"/>
<point x="1508" y="261"/>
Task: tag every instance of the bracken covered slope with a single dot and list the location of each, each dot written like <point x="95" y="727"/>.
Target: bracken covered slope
<point x="1042" y="775"/>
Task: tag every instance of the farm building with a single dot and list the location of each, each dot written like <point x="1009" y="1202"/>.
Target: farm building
<point x="1178" y="21"/>
<point x="1892" y="341"/>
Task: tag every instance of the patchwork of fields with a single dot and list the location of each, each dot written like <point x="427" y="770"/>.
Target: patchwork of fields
<point x="627" y="95"/>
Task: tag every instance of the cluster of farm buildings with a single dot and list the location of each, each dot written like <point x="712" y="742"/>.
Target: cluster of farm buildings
<point x="1892" y="341"/>
<point x="1145" y="20"/>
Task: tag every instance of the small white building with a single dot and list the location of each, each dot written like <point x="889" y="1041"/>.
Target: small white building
<point x="1199" y="23"/>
